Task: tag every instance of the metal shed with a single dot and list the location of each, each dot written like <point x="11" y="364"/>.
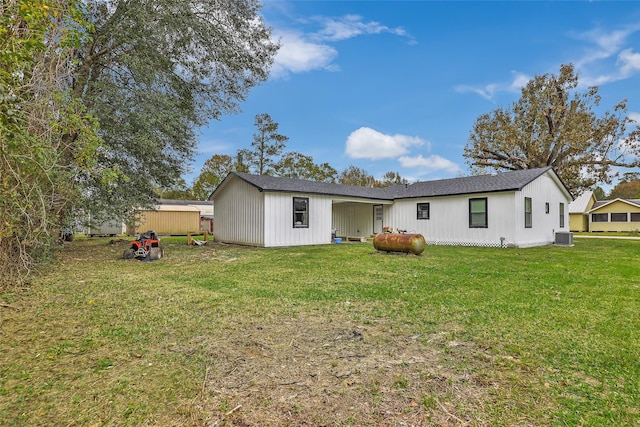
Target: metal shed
<point x="168" y="220"/>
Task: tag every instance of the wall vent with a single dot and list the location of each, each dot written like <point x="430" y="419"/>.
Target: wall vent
<point x="564" y="238"/>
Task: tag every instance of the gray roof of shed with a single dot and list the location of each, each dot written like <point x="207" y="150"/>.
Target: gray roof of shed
<point x="503" y="181"/>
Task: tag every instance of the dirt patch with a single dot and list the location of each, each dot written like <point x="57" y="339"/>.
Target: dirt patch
<point x="319" y="372"/>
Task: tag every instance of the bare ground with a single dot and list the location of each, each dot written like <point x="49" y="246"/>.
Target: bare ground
<point x="315" y="372"/>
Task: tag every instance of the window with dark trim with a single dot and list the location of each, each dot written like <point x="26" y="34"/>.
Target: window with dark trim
<point x="635" y="217"/>
<point x="602" y="217"/>
<point x="528" y="217"/>
<point x="619" y="217"/>
<point x="546" y="208"/>
<point x="423" y="210"/>
<point x="300" y="212"/>
<point x="561" y="215"/>
<point x="478" y="217"/>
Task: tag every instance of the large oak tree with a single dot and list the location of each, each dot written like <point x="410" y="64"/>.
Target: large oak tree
<point x="555" y="124"/>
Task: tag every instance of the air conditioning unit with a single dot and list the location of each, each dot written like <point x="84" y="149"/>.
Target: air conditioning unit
<point x="564" y="238"/>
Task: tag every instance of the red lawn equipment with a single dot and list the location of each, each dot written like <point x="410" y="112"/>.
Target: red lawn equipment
<point x="145" y="247"/>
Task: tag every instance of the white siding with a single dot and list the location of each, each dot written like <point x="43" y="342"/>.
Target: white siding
<point x="245" y="215"/>
<point x="448" y="222"/>
<point x="544" y="225"/>
<point x="239" y="216"/>
<point x="109" y="227"/>
<point x="353" y="219"/>
<point x="279" y="230"/>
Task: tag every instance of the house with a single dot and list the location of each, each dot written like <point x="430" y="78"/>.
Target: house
<point x="621" y="215"/>
<point x="578" y="211"/>
<point x="519" y="208"/>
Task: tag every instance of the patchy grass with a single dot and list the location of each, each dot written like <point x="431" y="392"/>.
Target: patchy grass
<point x="335" y="335"/>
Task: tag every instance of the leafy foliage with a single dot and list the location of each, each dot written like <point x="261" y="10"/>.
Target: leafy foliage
<point x="298" y="165"/>
<point x="100" y="101"/>
<point x="179" y="191"/>
<point x="153" y="72"/>
<point x="356" y="176"/>
<point x="553" y="124"/>
<point x="599" y="193"/>
<point x="38" y="165"/>
<point x="267" y="146"/>
<point x="626" y="190"/>
<point x="391" y="178"/>
<point x="213" y="172"/>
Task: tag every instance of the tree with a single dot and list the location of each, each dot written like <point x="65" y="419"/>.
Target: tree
<point x="626" y="190"/>
<point x="179" y="191"/>
<point x="356" y="176"/>
<point x="153" y="72"/>
<point x="297" y="165"/>
<point x="599" y="193"/>
<point x="38" y="169"/>
<point x="390" y="178"/>
<point x="213" y="172"/>
<point x="267" y="146"/>
<point x="239" y="164"/>
<point x="552" y="124"/>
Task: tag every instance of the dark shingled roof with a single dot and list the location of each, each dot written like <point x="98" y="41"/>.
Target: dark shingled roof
<point x="503" y="181"/>
<point x="292" y="185"/>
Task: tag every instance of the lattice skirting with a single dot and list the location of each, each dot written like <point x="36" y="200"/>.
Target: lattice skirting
<point x="478" y="244"/>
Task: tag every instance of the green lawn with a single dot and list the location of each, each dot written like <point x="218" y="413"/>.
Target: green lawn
<point x="336" y="335"/>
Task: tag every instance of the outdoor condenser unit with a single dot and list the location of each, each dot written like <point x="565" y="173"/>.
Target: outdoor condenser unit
<point x="564" y="238"/>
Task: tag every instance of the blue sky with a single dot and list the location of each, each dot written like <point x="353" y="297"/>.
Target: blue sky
<point x="397" y="85"/>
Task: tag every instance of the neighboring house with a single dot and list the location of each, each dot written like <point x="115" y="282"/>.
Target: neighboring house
<point x="174" y="217"/>
<point x="614" y="215"/>
<point x="519" y="208"/>
<point x="578" y="211"/>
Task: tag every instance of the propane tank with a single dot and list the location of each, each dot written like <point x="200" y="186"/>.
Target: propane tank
<point x="396" y="242"/>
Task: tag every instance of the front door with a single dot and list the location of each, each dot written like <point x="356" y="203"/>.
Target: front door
<point x="377" y="219"/>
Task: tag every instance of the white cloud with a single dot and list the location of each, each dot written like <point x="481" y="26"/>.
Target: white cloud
<point x="433" y="162"/>
<point x="635" y="117"/>
<point x="349" y="26"/>
<point x="602" y="47"/>
<point x="629" y="62"/>
<point x="605" y="45"/>
<point x="302" y="51"/>
<point x="488" y="91"/>
<point x="297" y="55"/>
<point x="367" y="143"/>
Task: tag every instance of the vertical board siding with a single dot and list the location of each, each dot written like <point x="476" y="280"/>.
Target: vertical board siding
<point x="544" y="226"/>
<point x="278" y="222"/>
<point x="239" y="214"/>
<point x="448" y="222"/>
<point x="247" y="216"/>
<point x="353" y="219"/>
<point x="578" y="222"/>
<point x="169" y="222"/>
